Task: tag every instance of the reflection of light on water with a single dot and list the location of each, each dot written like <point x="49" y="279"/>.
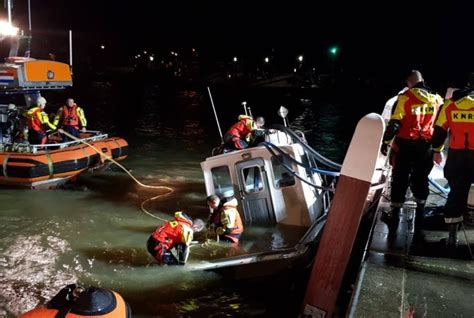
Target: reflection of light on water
<point x="31" y="271"/>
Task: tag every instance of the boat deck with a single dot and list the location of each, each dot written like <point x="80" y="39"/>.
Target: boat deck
<point x="403" y="278"/>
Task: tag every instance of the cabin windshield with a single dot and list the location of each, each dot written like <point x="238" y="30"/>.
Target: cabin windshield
<point x="283" y="178"/>
<point x="252" y="177"/>
<point x="222" y="180"/>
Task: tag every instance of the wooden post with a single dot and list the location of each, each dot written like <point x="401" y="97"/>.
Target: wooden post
<point x="344" y="217"/>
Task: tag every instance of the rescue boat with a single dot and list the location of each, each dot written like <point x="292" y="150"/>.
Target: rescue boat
<point x="55" y="163"/>
<point x="75" y="302"/>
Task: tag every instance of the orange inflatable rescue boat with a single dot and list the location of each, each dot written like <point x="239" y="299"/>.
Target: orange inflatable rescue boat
<point x="75" y="302"/>
<point x="51" y="165"/>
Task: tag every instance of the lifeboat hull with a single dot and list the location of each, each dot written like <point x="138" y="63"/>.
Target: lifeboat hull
<point x="52" y="168"/>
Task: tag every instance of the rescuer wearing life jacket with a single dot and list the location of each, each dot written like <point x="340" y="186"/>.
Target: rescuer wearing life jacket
<point x="411" y="124"/>
<point x="224" y="218"/>
<point x="238" y="136"/>
<point x="457" y="118"/>
<point x="38" y="122"/>
<point x="175" y="234"/>
<point x="71" y="117"/>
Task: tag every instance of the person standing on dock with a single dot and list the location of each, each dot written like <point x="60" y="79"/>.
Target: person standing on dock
<point x="411" y="124"/>
<point x="71" y="117"/>
<point x="457" y="118"/>
<point x="37" y="121"/>
<point x="175" y="234"/>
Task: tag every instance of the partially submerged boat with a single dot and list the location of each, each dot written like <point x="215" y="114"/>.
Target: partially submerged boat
<point x="55" y="163"/>
<point x="282" y="189"/>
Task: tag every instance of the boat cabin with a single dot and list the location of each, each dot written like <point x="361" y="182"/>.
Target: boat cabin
<point x="266" y="190"/>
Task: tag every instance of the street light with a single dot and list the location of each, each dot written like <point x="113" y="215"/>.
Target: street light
<point x="300" y="58"/>
<point x="235" y="59"/>
<point x="102" y="47"/>
<point x="266" y="60"/>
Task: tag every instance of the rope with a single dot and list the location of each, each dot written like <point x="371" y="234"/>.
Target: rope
<point x="142" y="206"/>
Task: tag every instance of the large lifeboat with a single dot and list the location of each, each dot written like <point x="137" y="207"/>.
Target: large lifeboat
<point x="53" y="164"/>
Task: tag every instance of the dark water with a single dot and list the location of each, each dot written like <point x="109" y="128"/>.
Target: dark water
<point x="97" y="236"/>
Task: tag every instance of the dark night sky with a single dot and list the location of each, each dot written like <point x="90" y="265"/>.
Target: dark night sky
<point x="373" y="37"/>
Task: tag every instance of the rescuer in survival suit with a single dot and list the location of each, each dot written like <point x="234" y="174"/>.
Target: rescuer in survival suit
<point x="246" y="132"/>
<point x="457" y="118"/>
<point x="38" y="122"/>
<point x="411" y="124"/>
<point x="71" y="117"/>
<point x="225" y="219"/>
<point x="175" y="234"/>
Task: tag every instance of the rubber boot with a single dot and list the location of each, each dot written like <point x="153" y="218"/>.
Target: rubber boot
<point x="391" y="218"/>
<point x="452" y="240"/>
<point x="419" y="220"/>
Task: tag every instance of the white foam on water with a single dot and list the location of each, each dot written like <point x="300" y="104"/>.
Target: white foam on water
<point x="30" y="274"/>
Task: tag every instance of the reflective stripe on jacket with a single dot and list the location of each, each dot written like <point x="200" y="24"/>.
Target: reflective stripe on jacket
<point x="416" y="109"/>
<point x="177" y="231"/>
<point x="231" y="220"/>
<point x="458" y="118"/>
<point x="37" y="118"/>
<point x="242" y="128"/>
<point x="70" y="116"/>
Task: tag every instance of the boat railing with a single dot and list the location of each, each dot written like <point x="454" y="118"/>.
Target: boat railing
<point x="25" y="147"/>
<point x="96" y="135"/>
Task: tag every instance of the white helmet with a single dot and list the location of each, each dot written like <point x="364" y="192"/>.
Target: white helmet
<point x="41" y="101"/>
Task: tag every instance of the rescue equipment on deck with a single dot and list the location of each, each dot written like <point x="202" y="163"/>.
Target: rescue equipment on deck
<point x="73" y="302"/>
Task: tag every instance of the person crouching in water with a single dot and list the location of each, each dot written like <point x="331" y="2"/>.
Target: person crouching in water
<point x="71" y="117"/>
<point x="175" y="234"/>
<point x="225" y="219"/>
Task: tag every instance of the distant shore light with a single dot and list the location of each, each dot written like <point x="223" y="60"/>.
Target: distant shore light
<point x="267" y="60"/>
<point x="102" y="46"/>
<point x="151" y="58"/>
<point x="235" y="59"/>
<point x="300" y="58"/>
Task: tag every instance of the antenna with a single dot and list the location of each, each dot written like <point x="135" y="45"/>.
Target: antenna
<point x="244" y="103"/>
<point x="29" y="16"/>
<point x="9" y="8"/>
<point x="70" y="49"/>
<point x="283" y="113"/>
<point x="215" y="114"/>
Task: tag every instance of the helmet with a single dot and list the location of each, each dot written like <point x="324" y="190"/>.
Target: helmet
<point x="41" y="101"/>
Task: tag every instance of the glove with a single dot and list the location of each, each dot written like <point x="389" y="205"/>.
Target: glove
<point x="220" y="230"/>
<point x="384" y="149"/>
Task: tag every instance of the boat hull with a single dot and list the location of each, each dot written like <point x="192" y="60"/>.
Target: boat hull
<point x="52" y="168"/>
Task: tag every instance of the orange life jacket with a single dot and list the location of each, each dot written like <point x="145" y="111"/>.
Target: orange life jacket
<point x="418" y="113"/>
<point x="242" y="128"/>
<point x="172" y="232"/>
<point x="33" y="119"/>
<point x="70" y="116"/>
<point x="238" y="225"/>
